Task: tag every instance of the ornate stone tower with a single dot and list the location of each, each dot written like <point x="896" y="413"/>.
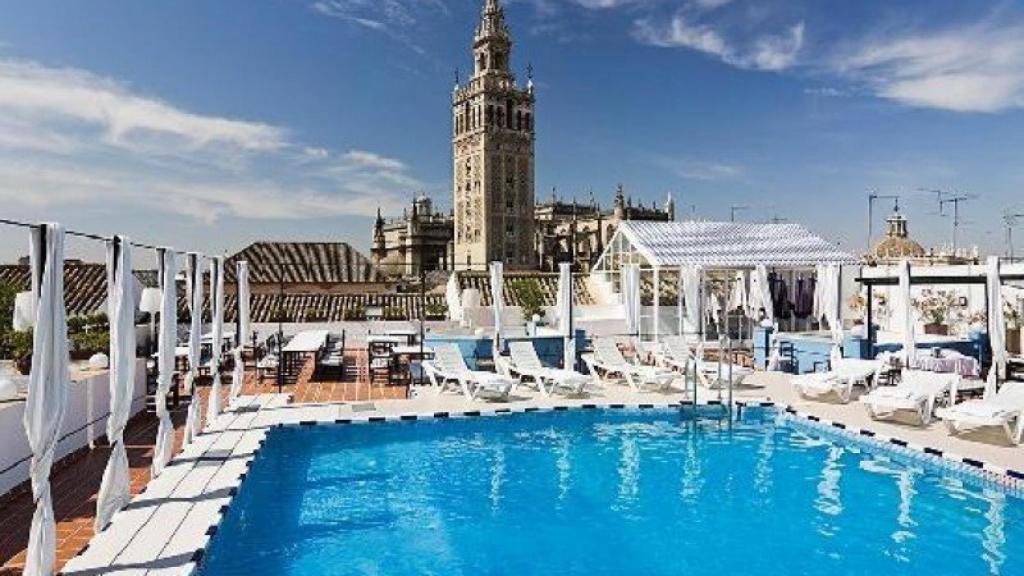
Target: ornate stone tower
<point x="492" y="148"/>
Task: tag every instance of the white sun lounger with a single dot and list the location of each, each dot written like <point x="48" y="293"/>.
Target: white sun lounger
<point x="839" y="381"/>
<point x="607" y="361"/>
<point x="1003" y="410"/>
<point x="449" y="367"/>
<point x="674" y="352"/>
<point x="525" y="363"/>
<point x="917" y="392"/>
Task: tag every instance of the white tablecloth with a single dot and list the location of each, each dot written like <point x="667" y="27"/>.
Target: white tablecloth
<point x="307" y="341"/>
<point x="963" y="365"/>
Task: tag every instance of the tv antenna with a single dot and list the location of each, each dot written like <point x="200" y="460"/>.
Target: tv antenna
<point x="952" y="199"/>
<point x="1011" y="219"/>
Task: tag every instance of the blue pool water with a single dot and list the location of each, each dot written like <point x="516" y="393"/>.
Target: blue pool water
<point x="601" y="492"/>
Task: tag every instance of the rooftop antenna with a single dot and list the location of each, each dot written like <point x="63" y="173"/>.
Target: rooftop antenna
<point x="872" y="197"/>
<point x="1010" y="219"/>
<point x="946" y="198"/>
<point x="736" y="208"/>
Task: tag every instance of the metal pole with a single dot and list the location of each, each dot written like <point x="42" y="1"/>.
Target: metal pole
<point x="280" y="334"/>
<point x="423" y="312"/>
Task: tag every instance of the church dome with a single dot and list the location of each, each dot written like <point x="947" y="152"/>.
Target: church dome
<point x="897" y="242"/>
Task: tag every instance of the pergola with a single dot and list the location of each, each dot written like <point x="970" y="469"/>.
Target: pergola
<point x="712" y="247"/>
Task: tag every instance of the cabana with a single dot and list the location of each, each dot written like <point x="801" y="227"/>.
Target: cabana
<point x="732" y="258"/>
<point x="989" y="278"/>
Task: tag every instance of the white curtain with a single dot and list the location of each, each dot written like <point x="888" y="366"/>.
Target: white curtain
<point x="167" y="340"/>
<point x="115" y="488"/>
<point x="905" y="314"/>
<point x="690" y="288"/>
<point x="242" y="278"/>
<point x="217" y="291"/>
<point x="47" y="389"/>
<point x="497" y="299"/>
<point x="631" y="297"/>
<point x="565" y="319"/>
<point x="827" y="304"/>
<point x="738" y="296"/>
<point x="453" y="298"/>
<point x="996" y="326"/>
<point x="762" y="300"/>
<point x="194" y="291"/>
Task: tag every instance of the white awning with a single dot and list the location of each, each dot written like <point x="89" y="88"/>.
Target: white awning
<point x="727" y="244"/>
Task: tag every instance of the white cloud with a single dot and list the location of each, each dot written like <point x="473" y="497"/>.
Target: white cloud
<point x="977" y="68"/>
<point x="762" y="52"/>
<point x="697" y="168"/>
<point x="72" y="138"/>
<point x="32" y="92"/>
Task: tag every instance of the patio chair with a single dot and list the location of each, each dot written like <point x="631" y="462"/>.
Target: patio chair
<point x="525" y="363"/>
<point x="449" y="368"/>
<point x="917" y="393"/>
<point x="607" y="361"/>
<point x="1004" y="409"/>
<point x="839" y="381"/>
<point x="675" y="353"/>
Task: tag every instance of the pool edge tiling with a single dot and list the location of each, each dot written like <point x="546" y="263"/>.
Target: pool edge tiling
<point x="168" y="528"/>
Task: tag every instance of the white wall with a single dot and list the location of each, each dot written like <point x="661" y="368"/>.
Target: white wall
<point x="85" y="419"/>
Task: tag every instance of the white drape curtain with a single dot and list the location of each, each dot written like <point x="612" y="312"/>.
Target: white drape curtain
<point x="213" y="407"/>
<point x="194" y="292"/>
<point x="996" y="327"/>
<point x="497" y="270"/>
<point x="738" y="295"/>
<point x="47" y="389"/>
<point x="827" y="304"/>
<point x="762" y="300"/>
<point x="905" y="314"/>
<point x="565" y="315"/>
<point x="631" y="297"/>
<point x="242" y="278"/>
<point x="690" y="278"/>
<point x="167" y="340"/>
<point x="115" y="488"/>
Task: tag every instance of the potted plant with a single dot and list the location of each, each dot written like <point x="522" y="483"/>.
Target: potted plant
<point x="355" y="314"/>
<point x="936" y="307"/>
<point x="21" y="350"/>
<point x="436" y="311"/>
<point x="531" y="297"/>
<point x="1014" y="319"/>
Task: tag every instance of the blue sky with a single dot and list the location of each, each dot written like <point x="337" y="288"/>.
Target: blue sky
<point x="206" y="125"/>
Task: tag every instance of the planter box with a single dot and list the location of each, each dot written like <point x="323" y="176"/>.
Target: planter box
<point x="936" y="329"/>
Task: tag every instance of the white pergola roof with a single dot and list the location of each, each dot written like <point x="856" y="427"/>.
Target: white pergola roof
<point x="727" y="244"/>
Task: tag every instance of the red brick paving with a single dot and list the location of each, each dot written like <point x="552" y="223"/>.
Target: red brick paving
<point x="76" y="477"/>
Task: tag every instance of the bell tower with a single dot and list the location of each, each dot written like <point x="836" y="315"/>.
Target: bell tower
<point x="492" y="151"/>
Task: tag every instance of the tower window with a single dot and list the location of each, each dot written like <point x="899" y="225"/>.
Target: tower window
<point x="490" y="115"/>
<point x="519" y="119"/>
<point x="501" y="117"/>
<point x="529" y="121"/>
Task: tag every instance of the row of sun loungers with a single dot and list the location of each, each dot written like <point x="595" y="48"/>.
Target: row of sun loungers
<point x="917" y="397"/>
<point x="654" y="367"/>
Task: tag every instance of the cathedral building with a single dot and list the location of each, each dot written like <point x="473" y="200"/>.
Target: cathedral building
<point x="495" y="214"/>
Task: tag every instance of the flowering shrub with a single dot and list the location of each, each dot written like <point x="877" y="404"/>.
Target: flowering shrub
<point x="1012" y="313"/>
<point x="937" y="306"/>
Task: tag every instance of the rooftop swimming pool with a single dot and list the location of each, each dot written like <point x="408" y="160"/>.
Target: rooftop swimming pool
<point x="601" y="492"/>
